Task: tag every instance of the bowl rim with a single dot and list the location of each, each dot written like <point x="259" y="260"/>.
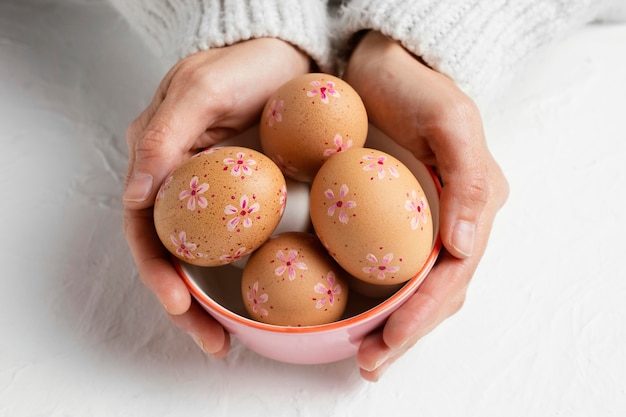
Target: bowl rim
<point x="390" y="304"/>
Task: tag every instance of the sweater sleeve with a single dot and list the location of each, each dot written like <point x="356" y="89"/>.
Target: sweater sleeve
<point x="477" y="43"/>
<point x="177" y="28"/>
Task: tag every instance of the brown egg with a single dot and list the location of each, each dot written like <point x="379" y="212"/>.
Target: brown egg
<point x="371" y="214"/>
<point x="219" y="205"/>
<point x="307" y="120"/>
<point x="292" y="281"/>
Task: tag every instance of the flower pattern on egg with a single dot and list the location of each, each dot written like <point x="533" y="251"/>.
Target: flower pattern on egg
<point x="378" y="164"/>
<point x="323" y="91"/>
<point x="166" y="182"/>
<point x="273" y="112"/>
<point x="380" y="268"/>
<point x="339" y="146"/>
<point x="207" y="151"/>
<point x="184" y="247"/>
<point x="242" y="215"/>
<point x="416" y="205"/>
<point x="241" y="165"/>
<point x="283" y="199"/>
<point x="289" y="170"/>
<point x="193" y="193"/>
<point x="339" y="204"/>
<point x="289" y="264"/>
<point x="228" y="258"/>
<point x="257" y="299"/>
<point x="328" y="293"/>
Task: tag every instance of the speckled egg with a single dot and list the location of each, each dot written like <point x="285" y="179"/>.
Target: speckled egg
<point x="219" y="205"/>
<point x="292" y="281"/>
<point x="308" y="119"/>
<point x="372" y="215"/>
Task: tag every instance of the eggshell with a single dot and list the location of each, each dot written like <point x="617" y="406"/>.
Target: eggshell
<point x="372" y="215"/>
<point x="292" y="281"/>
<point x="295" y="216"/>
<point x="219" y="205"/>
<point x="308" y="119"/>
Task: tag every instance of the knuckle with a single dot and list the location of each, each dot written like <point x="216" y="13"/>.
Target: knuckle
<point x="217" y="98"/>
<point x="456" y="303"/>
<point x="478" y="190"/>
<point x="453" y="113"/>
<point x="153" y="138"/>
<point x="132" y="132"/>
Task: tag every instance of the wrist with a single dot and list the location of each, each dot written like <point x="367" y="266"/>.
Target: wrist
<point x="296" y="60"/>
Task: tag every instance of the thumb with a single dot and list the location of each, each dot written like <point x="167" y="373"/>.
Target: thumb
<point x="464" y="164"/>
<point x="463" y="198"/>
<point x="158" y="142"/>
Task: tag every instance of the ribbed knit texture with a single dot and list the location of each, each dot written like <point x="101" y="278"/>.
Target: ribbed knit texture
<point x="477" y="43"/>
<point x="177" y="28"/>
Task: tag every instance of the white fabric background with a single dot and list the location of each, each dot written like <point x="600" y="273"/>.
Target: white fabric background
<point x="542" y="332"/>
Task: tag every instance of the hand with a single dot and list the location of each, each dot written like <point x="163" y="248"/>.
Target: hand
<point x="205" y="98"/>
<point x="423" y="111"/>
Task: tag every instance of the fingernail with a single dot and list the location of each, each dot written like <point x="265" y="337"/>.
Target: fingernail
<point x="463" y="236"/>
<point x="379" y="363"/>
<point x="138" y="188"/>
<point x="198" y="341"/>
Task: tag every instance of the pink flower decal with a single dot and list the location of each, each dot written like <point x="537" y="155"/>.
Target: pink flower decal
<point x="194" y="194"/>
<point x="257" y="299"/>
<point x="380" y="269"/>
<point x="339" y="146"/>
<point x="378" y="164"/>
<point x="207" y="151"/>
<point x="167" y="181"/>
<point x="242" y="214"/>
<point x="289" y="264"/>
<point x="339" y="204"/>
<point x="329" y="292"/>
<point x="184" y="248"/>
<point x="273" y="112"/>
<point x="284" y="166"/>
<point x="227" y="258"/>
<point x="324" y="91"/>
<point x="416" y="204"/>
<point x="283" y="199"/>
<point x="241" y="166"/>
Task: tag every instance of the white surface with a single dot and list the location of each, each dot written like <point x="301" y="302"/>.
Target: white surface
<point x="542" y="332"/>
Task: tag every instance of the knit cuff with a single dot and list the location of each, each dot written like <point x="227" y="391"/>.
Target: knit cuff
<point x="476" y="43"/>
<point x="178" y="28"/>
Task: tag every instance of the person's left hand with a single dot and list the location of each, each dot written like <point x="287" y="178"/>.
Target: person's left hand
<point x="205" y="98"/>
<point x="426" y="113"/>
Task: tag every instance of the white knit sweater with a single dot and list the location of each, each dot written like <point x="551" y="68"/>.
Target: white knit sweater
<point x="177" y="28"/>
<point x="474" y="42"/>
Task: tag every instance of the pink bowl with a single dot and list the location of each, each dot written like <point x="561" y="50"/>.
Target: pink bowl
<point x="218" y="291"/>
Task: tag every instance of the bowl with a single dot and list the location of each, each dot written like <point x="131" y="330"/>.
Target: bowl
<point x="217" y="289"/>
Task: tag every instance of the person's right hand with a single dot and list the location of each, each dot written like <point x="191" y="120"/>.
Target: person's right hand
<point x="203" y="99"/>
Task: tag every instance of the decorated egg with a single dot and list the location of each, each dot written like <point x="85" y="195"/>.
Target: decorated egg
<point x="309" y="119"/>
<point x="292" y="281"/>
<point x="219" y="205"/>
<point x="372" y="215"/>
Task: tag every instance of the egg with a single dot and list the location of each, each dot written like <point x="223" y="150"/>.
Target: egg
<point x="292" y="281"/>
<point x="308" y="119"/>
<point x="372" y="215"/>
<point x="220" y="205"/>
